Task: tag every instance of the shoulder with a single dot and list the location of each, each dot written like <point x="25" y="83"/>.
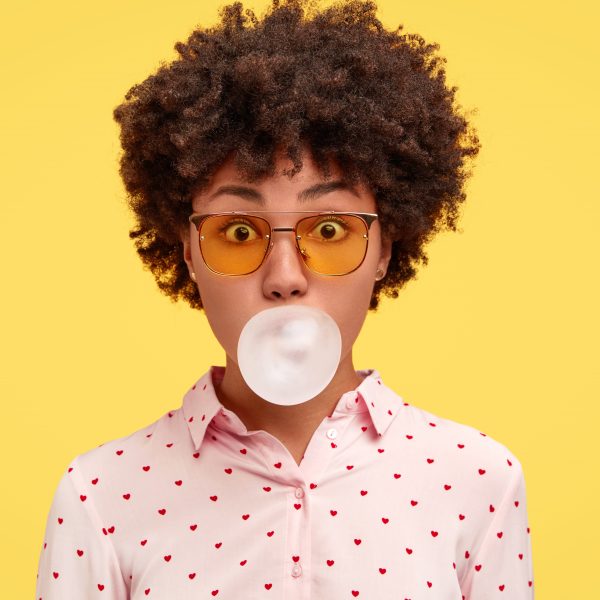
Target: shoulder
<point x="469" y="455"/>
<point x="122" y="457"/>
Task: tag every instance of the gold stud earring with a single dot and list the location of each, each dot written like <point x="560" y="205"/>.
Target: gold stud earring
<point x="193" y="275"/>
<point x="379" y="274"/>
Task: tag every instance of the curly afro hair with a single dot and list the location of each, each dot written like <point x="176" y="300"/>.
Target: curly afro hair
<point x="333" y="80"/>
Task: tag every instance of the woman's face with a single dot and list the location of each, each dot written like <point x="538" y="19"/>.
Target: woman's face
<point x="283" y="278"/>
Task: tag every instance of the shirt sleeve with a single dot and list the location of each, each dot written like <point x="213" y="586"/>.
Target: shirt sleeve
<point x="77" y="560"/>
<point x="503" y="567"/>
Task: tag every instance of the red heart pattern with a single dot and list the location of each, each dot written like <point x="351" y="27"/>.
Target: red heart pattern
<point x="403" y="504"/>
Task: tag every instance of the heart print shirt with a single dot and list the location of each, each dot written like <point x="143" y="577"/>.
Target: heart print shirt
<point x="389" y="502"/>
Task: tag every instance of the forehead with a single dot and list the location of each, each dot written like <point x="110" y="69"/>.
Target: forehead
<point x="281" y="187"/>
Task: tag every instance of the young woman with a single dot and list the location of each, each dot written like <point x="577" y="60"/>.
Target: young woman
<point x="303" y="159"/>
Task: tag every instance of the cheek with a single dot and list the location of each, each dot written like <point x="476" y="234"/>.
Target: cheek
<point x="225" y="314"/>
<point x="220" y="299"/>
<point x="349" y="308"/>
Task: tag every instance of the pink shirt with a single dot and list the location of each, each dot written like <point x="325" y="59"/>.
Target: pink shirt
<point x="389" y="502"/>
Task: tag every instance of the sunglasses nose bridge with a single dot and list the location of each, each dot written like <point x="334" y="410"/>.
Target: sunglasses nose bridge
<point x="283" y="229"/>
<point x="291" y="229"/>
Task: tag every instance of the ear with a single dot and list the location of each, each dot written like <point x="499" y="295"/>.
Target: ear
<point x="184" y="235"/>
<point x="386" y="254"/>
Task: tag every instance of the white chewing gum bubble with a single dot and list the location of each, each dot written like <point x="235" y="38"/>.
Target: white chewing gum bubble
<point x="289" y="354"/>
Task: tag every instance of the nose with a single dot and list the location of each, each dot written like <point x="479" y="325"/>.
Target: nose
<point x="285" y="271"/>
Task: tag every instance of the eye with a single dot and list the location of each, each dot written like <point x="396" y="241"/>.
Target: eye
<point x="330" y="229"/>
<point x="238" y="230"/>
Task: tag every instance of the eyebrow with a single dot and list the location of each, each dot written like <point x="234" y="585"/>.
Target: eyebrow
<point x="311" y="193"/>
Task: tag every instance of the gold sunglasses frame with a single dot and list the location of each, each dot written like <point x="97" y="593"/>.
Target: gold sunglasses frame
<point x="198" y="218"/>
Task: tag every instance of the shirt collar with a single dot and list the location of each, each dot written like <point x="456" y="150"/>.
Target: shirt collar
<point x="201" y="404"/>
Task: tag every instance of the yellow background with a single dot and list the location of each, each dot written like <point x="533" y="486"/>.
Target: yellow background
<point x="499" y="331"/>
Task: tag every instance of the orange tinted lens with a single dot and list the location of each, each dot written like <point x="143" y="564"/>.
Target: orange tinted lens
<point x="233" y="244"/>
<point x="334" y="244"/>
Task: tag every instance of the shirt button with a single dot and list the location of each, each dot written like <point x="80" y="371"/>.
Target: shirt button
<point x="296" y="571"/>
<point x="332" y="433"/>
<point x="299" y="493"/>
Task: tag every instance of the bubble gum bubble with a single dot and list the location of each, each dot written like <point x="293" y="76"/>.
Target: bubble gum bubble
<point x="289" y="354"/>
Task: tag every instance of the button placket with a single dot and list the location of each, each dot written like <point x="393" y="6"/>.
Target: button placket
<point x="297" y="585"/>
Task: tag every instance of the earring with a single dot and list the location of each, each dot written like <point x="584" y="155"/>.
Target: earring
<point x="193" y="275"/>
<point x="379" y="275"/>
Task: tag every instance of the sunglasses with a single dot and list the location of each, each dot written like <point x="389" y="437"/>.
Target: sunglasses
<point x="237" y="243"/>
